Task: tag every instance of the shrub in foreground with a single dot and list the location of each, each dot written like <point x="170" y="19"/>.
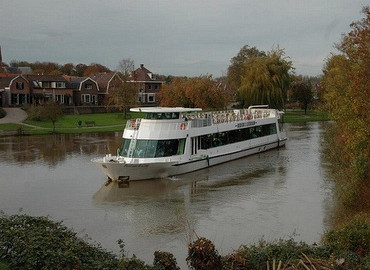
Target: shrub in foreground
<point x="38" y="243"/>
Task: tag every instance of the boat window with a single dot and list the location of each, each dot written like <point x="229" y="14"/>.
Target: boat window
<point x="124" y="147"/>
<point x="165" y="116"/>
<point x="236" y="135"/>
<point x="153" y="148"/>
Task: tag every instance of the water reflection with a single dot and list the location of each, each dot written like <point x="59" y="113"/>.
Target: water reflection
<point x="52" y="149"/>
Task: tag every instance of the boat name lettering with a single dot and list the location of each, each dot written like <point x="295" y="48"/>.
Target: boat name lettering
<point x="137" y="165"/>
<point x="246" y="124"/>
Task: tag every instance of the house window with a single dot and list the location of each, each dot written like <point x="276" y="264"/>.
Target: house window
<point x="88" y="86"/>
<point x="156" y="87"/>
<point x="85" y="98"/>
<point x="141" y="97"/>
<point x="59" y="98"/>
<point x="151" y="98"/>
<point x="20" y="85"/>
<point x="60" y="85"/>
<point x="37" y="84"/>
<point x="46" y="84"/>
<point x="94" y="99"/>
<point x="149" y="87"/>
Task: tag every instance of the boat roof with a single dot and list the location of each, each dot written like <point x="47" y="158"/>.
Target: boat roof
<point x="164" y="109"/>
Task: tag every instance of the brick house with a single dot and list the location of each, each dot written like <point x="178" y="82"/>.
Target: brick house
<point x="49" y="87"/>
<point x="149" y="85"/>
<point x="19" y="91"/>
<point x="106" y="81"/>
<point x="85" y="91"/>
<point x="36" y="89"/>
<point x="5" y="79"/>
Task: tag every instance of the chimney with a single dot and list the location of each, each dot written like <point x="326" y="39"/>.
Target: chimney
<point x="141" y="66"/>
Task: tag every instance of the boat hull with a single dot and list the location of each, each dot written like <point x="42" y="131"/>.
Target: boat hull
<point x="115" y="169"/>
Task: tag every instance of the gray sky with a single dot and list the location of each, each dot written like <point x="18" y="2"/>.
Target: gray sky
<point x="173" y="37"/>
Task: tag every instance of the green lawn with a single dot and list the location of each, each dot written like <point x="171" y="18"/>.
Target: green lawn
<point x="298" y="116"/>
<point x="109" y="122"/>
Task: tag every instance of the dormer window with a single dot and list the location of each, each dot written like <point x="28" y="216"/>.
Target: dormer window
<point x="88" y="86"/>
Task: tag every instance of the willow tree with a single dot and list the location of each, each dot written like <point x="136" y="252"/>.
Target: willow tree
<point x="265" y="80"/>
<point x="238" y="64"/>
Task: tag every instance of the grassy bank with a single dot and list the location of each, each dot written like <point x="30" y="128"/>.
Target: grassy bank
<point x="111" y="122"/>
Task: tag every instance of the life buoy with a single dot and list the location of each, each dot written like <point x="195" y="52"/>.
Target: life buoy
<point x="183" y="126"/>
<point x="249" y="117"/>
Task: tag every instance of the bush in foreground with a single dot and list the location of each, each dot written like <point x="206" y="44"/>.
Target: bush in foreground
<point x="38" y="243"/>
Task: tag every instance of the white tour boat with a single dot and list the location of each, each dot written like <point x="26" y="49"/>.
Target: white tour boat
<point x="173" y="141"/>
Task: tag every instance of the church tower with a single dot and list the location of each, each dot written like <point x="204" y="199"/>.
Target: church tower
<point x="3" y="68"/>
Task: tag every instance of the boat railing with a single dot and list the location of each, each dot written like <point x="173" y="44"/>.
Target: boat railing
<point x="228" y="116"/>
<point x="205" y="119"/>
<point x="201" y="122"/>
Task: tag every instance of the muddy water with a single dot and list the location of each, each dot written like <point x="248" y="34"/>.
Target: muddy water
<point x="278" y="194"/>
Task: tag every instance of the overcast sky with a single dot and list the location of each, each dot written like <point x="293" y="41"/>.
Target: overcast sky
<point x="173" y="37"/>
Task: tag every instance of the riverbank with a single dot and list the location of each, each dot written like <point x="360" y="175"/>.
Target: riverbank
<point x="59" y="248"/>
<point x="115" y="122"/>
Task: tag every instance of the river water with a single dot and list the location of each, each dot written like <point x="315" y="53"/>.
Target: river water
<point x="281" y="193"/>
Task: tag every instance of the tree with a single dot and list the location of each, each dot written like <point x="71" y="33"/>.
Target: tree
<point x="124" y="92"/>
<point x="68" y="69"/>
<point x="238" y="65"/>
<point x="346" y="93"/>
<point x="203" y="92"/>
<point x="302" y="92"/>
<point x="51" y="111"/>
<point x="95" y="68"/>
<point x="265" y="80"/>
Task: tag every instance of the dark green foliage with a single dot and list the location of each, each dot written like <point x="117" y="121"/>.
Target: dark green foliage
<point x="3" y="267"/>
<point x="202" y="255"/>
<point x="2" y="113"/>
<point x="166" y="260"/>
<point x="134" y="263"/>
<point x="302" y="92"/>
<point x="38" y="243"/>
<point x="351" y="241"/>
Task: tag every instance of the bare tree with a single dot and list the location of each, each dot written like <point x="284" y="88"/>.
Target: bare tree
<point x="124" y="94"/>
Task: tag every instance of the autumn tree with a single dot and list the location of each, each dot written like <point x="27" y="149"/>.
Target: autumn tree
<point x="95" y="68"/>
<point x="79" y="69"/>
<point x="265" y="80"/>
<point x="301" y="91"/>
<point x="125" y="92"/>
<point x="346" y="92"/>
<point x="204" y="92"/>
<point x="68" y="69"/>
<point x="51" y="111"/>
